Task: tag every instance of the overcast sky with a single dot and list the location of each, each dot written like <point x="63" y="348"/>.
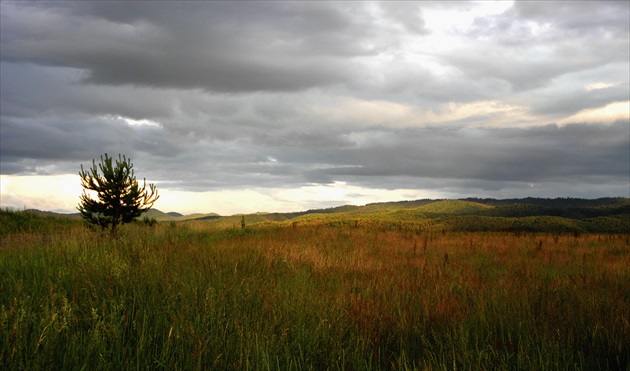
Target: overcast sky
<point x="234" y="107"/>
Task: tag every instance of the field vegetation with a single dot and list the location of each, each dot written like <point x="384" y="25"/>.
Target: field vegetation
<point x="422" y="287"/>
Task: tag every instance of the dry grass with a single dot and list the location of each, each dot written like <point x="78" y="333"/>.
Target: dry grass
<point x="185" y="296"/>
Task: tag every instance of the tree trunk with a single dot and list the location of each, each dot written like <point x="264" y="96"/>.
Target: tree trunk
<point x="113" y="231"/>
<point x="116" y="219"/>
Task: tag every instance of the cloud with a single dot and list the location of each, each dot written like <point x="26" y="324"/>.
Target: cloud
<point x="527" y="22"/>
<point x="213" y="46"/>
<point x="452" y="99"/>
<point x="407" y="16"/>
<point x="531" y="43"/>
<point x="587" y="17"/>
<point x="548" y="153"/>
<point x="611" y="113"/>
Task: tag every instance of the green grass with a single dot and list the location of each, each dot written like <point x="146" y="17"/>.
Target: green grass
<point x="16" y="222"/>
<point x="453" y="207"/>
<point x="311" y="296"/>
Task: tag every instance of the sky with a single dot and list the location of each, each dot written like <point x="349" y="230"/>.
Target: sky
<point x="240" y="107"/>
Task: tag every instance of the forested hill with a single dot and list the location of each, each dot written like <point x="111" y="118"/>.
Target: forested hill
<point x="604" y="215"/>
<point x="561" y="202"/>
<point x="608" y="215"/>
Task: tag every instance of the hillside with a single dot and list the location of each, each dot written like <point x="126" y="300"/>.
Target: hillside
<point x="608" y="215"/>
<point x="560" y="202"/>
<point x="453" y="207"/>
<point x="173" y="216"/>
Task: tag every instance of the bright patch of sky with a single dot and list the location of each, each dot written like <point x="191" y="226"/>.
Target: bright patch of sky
<point x="142" y="122"/>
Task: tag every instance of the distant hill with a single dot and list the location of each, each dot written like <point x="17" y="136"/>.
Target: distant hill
<point x="12" y="221"/>
<point x="454" y="207"/>
<point x="523" y="210"/>
<point x="52" y="214"/>
<point x="560" y="202"/>
<point x="609" y="215"/>
<point x="152" y="213"/>
<point x="470" y="214"/>
<point x="174" y="216"/>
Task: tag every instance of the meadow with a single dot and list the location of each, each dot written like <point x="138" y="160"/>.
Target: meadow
<point x="310" y="295"/>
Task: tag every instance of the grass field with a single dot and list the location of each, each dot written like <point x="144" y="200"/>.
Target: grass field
<point x="354" y="296"/>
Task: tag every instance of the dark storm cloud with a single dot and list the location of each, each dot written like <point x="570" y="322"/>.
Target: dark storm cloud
<point x="60" y="145"/>
<point x="541" y="154"/>
<point x="525" y="155"/>
<point x="219" y="46"/>
<point x="574" y="100"/>
<point x="488" y="159"/>
<point x="29" y="90"/>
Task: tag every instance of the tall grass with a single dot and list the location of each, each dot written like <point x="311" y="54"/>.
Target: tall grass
<point x="182" y="296"/>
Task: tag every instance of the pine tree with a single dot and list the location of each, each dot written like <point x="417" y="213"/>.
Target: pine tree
<point x="120" y="197"/>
